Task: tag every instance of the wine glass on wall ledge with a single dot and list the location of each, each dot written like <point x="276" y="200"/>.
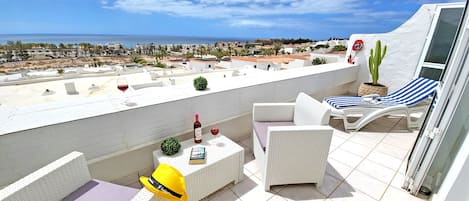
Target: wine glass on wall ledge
<point x="123" y="85"/>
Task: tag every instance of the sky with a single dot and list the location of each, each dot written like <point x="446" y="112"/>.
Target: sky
<point x="314" y="19"/>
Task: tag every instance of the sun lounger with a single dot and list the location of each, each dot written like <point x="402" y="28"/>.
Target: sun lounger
<point x="411" y="98"/>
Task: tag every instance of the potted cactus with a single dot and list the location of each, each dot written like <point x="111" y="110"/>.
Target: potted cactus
<point x="374" y="61"/>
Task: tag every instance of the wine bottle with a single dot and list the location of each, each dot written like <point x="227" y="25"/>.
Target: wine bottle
<point x="197" y="130"/>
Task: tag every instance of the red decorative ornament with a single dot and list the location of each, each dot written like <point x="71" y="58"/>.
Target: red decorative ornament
<point x="357" y="45"/>
<point x="350" y="59"/>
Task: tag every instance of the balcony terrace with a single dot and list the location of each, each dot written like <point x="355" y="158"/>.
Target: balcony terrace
<point x="368" y="165"/>
<point x="365" y="165"/>
<point x="118" y="141"/>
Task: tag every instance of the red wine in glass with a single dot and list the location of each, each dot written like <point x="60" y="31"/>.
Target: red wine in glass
<point x="214" y="131"/>
<point x="123" y="87"/>
<point x="122" y="84"/>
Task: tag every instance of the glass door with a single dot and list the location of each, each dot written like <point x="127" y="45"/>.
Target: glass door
<point x="437" y="127"/>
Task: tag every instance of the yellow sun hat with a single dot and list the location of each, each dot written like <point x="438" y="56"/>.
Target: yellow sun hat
<point x="167" y="182"/>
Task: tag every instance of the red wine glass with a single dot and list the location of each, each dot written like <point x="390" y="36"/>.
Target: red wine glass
<point x="214" y="131"/>
<point x="123" y="85"/>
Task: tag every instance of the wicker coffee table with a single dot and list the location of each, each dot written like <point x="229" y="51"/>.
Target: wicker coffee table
<point x="224" y="164"/>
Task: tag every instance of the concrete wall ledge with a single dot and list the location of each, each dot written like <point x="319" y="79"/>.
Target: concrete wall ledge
<point x="100" y="127"/>
<point x="24" y="118"/>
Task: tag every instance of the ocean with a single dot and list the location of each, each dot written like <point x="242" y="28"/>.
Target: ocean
<point x="127" y="40"/>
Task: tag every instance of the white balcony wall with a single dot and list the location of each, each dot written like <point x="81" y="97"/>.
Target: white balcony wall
<point x="405" y="44"/>
<point x="103" y="128"/>
<point x="297" y="63"/>
<point x="265" y="65"/>
<point x="201" y="66"/>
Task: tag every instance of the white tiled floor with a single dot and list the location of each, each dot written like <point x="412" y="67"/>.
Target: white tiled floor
<point x="365" y="165"/>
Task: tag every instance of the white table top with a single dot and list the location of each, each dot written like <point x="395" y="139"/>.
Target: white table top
<point x="217" y="148"/>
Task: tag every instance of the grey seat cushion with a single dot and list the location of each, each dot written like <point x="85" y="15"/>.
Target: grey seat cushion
<point x="260" y="128"/>
<point x="96" y="190"/>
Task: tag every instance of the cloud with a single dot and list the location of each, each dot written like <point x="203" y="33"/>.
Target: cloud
<point x="251" y="23"/>
<point x="269" y="23"/>
<point x="269" y="13"/>
<point x="437" y="1"/>
<point x="236" y="8"/>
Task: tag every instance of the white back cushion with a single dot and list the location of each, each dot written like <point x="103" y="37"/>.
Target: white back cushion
<point x="309" y="111"/>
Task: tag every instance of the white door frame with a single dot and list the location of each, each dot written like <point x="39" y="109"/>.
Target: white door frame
<point x="429" y="38"/>
<point x="449" y="94"/>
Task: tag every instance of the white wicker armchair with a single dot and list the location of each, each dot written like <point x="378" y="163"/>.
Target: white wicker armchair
<point x="66" y="179"/>
<point x="291" y="141"/>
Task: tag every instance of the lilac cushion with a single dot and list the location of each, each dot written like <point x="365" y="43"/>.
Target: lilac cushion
<point x="261" y="129"/>
<point x="96" y="190"/>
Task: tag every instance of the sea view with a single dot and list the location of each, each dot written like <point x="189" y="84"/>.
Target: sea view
<point x="127" y="40"/>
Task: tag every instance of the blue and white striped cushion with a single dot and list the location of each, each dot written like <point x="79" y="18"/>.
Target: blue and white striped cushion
<point x="411" y="94"/>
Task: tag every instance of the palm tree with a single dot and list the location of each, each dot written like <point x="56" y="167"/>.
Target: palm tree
<point x="96" y="62"/>
<point x="157" y="57"/>
<point x="10" y="45"/>
<point x="163" y="53"/>
<point x="268" y="51"/>
<point x="202" y="50"/>
<point x="277" y="46"/>
<point x="137" y="59"/>
<point x="230" y="49"/>
<point x="18" y="45"/>
<point x="219" y="53"/>
<point x="188" y="55"/>
<point x="300" y="49"/>
<point x="244" y="52"/>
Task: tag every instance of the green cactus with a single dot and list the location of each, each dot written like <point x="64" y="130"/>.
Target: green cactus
<point x="375" y="60"/>
<point x="170" y="146"/>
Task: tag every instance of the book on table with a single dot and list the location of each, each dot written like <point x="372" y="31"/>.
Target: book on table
<point x="198" y="155"/>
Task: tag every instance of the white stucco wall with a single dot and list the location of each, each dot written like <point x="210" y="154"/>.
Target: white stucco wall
<point x="405" y="45"/>
<point x="266" y="66"/>
<point x="297" y="63"/>
<point x="290" y="50"/>
<point x="4" y="78"/>
<point x="237" y="63"/>
<point x="32" y="137"/>
<point x="200" y="66"/>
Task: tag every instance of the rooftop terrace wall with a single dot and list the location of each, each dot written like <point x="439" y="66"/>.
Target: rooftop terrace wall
<point x="405" y="45"/>
<point x="103" y="129"/>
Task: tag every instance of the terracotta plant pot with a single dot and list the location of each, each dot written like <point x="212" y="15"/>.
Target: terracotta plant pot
<point x="367" y="88"/>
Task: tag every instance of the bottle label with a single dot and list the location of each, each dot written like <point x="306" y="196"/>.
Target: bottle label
<point x="198" y="133"/>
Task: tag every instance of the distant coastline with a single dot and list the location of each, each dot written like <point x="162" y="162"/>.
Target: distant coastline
<point x="128" y="41"/>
